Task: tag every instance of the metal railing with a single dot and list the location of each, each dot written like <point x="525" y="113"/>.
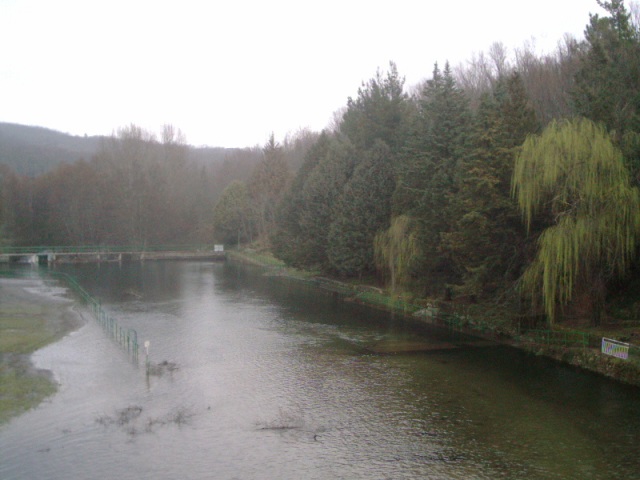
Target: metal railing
<point x="127" y="339"/>
<point x="559" y="337"/>
<point x="25" y="250"/>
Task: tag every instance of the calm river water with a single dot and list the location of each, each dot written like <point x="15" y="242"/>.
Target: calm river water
<point x="265" y="378"/>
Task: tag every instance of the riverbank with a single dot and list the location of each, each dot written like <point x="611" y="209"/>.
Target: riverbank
<point x="32" y="315"/>
<point x="499" y="328"/>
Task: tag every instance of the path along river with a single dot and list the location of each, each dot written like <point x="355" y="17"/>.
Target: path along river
<point x="262" y="377"/>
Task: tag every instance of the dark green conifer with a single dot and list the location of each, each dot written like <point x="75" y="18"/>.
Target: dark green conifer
<point x="487" y="240"/>
<point x="362" y="210"/>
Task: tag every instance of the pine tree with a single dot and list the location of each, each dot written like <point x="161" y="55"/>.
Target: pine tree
<point x="378" y="112"/>
<point x="291" y="241"/>
<point x="487" y="241"/>
<point x="428" y="171"/>
<point x="318" y="199"/>
<point x="363" y="209"/>
<point x="607" y="85"/>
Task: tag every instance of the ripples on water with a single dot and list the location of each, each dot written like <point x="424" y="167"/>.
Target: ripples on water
<point x="274" y="380"/>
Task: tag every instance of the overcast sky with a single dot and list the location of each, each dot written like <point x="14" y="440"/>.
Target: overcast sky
<point x="230" y="73"/>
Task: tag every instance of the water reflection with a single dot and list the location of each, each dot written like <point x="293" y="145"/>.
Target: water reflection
<point x="275" y="379"/>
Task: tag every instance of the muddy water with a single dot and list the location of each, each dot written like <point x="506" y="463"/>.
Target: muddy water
<point x="262" y="378"/>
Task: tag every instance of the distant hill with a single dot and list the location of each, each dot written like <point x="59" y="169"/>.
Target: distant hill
<point x="35" y="150"/>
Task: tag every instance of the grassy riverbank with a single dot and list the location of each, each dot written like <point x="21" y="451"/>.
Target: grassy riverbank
<point x="485" y="321"/>
<point x="29" y="320"/>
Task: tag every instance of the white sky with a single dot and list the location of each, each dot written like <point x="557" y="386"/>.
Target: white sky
<point x="230" y="73"/>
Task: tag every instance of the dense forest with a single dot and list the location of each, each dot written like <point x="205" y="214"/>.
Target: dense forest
<point x="509" y="177"/>
<point x="127" y="189"/>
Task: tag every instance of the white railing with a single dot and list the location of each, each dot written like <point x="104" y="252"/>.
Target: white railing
<point x="615" y="348"/>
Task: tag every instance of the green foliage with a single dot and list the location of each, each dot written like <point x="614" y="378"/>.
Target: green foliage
<point x="25" y="326"/>
<point x="19" y="392"/>
<point x="292" y="242"/>
<point x="232" y="220"/>
<point x="318" y="201"/>
<point x="378" y="113"/>
<point x="574" y="171"/>
<point x="428" y="170"/>
<point x="451" y="166"/>
<point x="487" y="239"/>
<point x="395" y="250"/>
<point x="607" y="84"/>
<point x="363" y="209"/>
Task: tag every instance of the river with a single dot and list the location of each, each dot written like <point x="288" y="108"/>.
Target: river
<point x="262" y="377"/>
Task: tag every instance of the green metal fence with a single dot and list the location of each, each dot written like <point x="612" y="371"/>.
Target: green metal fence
<point x="127" y="339"/>
<point x="559" y="337"/>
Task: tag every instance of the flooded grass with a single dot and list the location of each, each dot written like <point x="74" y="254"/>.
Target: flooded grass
<point x="19" y="390"/>
<point x="21" y="387"/>
<point x="27" y="322"/>
<point x="22" y="333"/>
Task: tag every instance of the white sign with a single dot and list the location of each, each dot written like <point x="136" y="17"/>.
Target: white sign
<point x="615" y="348"/>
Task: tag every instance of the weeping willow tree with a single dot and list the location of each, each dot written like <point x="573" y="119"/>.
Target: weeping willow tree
<point x="395" y="249"/>
<point x="575" y="173"/>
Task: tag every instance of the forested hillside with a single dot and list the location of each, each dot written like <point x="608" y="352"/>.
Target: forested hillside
<point x="508" y="178"/>
<point x="130" y="188"/>
<point x="505" y="179"/>
<point x="35" y="150"/>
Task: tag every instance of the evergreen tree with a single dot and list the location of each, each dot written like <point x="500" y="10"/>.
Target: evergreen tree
<point x="378" y="112"/>
<point x="428" y="171"/>
<point x="607" y="85"/>
<point x="318" y="200"/>
<point x="363" y="209"/>
<point x="291" y="241"/>
<point x="487" y="242"/>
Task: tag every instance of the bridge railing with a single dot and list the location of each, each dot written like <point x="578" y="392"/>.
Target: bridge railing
<point x="103" y="249"/>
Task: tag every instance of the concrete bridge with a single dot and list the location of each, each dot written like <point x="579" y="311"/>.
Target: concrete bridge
<point x="44" y="255"/>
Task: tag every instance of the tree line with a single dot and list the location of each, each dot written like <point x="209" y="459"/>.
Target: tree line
<point x="500" y="180"/>
<point x="136" y="190"/>
<point x="506" y="177"/>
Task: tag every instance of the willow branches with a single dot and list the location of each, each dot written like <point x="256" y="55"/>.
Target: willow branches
<point x="575" y="172"/>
